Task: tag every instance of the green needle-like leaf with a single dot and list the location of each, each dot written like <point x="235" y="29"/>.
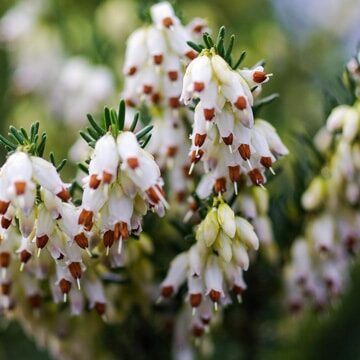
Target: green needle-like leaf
<point x="33" y="131"/>
<point x="95" y="125"/>
<point x="134" y="122"/>
<point x="146" y="141"/>
<point x="144" y="131"/>
<point x="41" y="147"/>
<point x="24" y="134"/>
<point x="240" y="60"/>
<point x="83" y="167"/>
<point x="230" y="47"/>
<point x="86" y="137"/>
<point x="93" y="133"/>
<point x="61" y="165"/>
<point x="196" y="47"/>
<point x="7" y="142"/>
<point x="121" y="115"/>
<point x="17" y="135"/>
<point x="107" y="118"/>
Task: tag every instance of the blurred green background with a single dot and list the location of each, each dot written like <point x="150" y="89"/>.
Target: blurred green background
<point x="305" y="45"/>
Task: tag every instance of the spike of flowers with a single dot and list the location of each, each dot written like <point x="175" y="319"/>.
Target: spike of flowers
<point x="321" y="257"/>
<point x="225" y="136"/>
<point x="122" y="184"/>
<point x="154" y="67"/>
<point x="230" y="144"/>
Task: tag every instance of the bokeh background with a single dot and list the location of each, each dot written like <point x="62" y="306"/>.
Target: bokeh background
<point x="62" y="52"/>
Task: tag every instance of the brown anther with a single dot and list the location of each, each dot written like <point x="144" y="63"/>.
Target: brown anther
<point x="295" y="307"/>
<point x="100" y="308"/>
<point x="240" y="103"/>
<point x="174" y="102"/>
<point x="171" y="151"/>
<point x="256" y="177"/>
<point x="185" y="171"/>
<point x="245" y="152"/>
<point x="209" y="114"/>
<point x="330" y="285"/>
<point x="86" y="219"/>
<point x="152" y="194"/>
<point x="266" y="161"/>
<point x="158" y="59"/>
<point x="324" y="249"/>
<point x="196" y="156"/>
<point x="198" y="28"/>
<point x="121" y="229"/>
<point x="147" y="89"/>
<point x="195" y="300"/>
<point x="5" y="222"/>
<point x="5" y="288"/>
<point x="155" y="98"/>
<point x="198" y="330"/>
<point x="108" y="238"/>
<point x="59" y="217"/>
<point x="60" y="257"/>
<point x="215" y="295"/>
<point x="199" y="139"/>
<point x="167" y="291"/>
<point x="350" y="244"/>
<point x="41" y="241"/>
<point x="133" y="162"/>
<point x="180" y="196"/>
<point x="94" y="182"/>
<point x="4" y="206"/>
<point x="64" y="195"/>
<point x="259" y="76"/>
<point x="35" y="301"/>
<point x="81" y="240"/>
<point x="199" y="86"/>
<point x="191" y="54"/>
<point x="220" y="185"/>
<point x="75" y="270"/>
<point x="167" y="22"/>
<point x="173" y="75"/>
<point x="5" y="259"/>
<point x="228" y="140"/>
<point x="107" y="177"/>
<point x="238" y="290"/>
<point x="192" y="204"/>
<point x="132" y="70"/>
<point x="205" y="319"/>
<point x="130" y="103"/>
<point x="65" y="286"/>
<point x="25" y="256"/>
<point x="234" y="173"/>
<point x="20" y="187"/>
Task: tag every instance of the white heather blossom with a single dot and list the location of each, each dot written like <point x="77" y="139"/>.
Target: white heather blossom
<point x="225" y="136"/>
<point x="155" y="60"/>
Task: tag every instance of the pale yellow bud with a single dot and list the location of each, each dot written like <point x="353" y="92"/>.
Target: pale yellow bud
<point x="245" y="232"/>
<point x="314" y="196"/>
<point x="223" y="246"/>
<point x="226" y="218"/>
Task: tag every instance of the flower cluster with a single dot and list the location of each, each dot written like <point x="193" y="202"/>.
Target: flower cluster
<point x="154" y="67"/>
<point x="213" y="266"/>
<point x="225" y="136"/>
<point x="230" y="143"/>
<point x="122" y="184"/>
<point x="321" y="258"/>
